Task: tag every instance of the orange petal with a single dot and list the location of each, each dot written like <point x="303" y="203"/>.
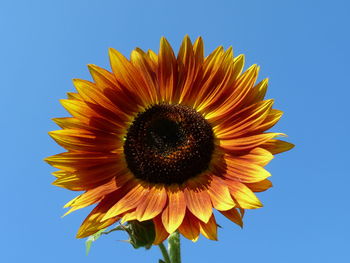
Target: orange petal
<point x="248" y="120"/>
<point x="130" y="201"/>
<point x="272" y="118"/>
<point x="198" y="202"/>
<point x="198" y="50"/>
<point x="238" y="65"/>
<point x="209" y="230"/>
<point x="190" y="227"/>
<point x="103" y="78"/>
<point x="74" y="123"/>
<point x="128" y="216"/>
<point x="72" y="182"/>
<point x="213" y="73"/>
<point x="247" y="143"/>
<point x="78" y="109"/>
<point x="152" y="204"/>
<point x="234" y="216"/>
<point x="161" y="233"/>
<point x="94" y="222"/>
<point x="212" y="61"/>
<point x="187" y="70"/>
<point x="91" y="196"/>
<point x="260" y="186"/>
<point x="127" y="75"/>
<point x="92" y="94"/>
<point x="217" y="81"/>
<point x="185" y="55"/>
<point x="242" y="86"/>
<point x="143" y="65"/>
<point x="74" y="96"/>
<point x="174" y="212"/>
<point x="277" y="146"/>
<point x="87" y="115"/>
<point x="89" y="178"/>
<point x="167" y="71"/>
<point x="243" y="195"/>
<point x="257" y="156"/>
<point x="72" y="161"/>
<point x="222" y="79"/>
<point x="83" y="140"/>
<point x="153" y="59"/>
<point x="121" y="97"/>
<point x="257" y="93"/>
<point x="244" y="171"/>
<point x="259" y="90"/>
<point x="84" y="171"/>
<point x="220" y="195"/>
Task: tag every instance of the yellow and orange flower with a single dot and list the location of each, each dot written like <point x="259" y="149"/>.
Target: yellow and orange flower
<point x="167" y="139"/>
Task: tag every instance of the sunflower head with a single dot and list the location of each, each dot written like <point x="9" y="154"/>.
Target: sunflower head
<point x="165" y="140"/>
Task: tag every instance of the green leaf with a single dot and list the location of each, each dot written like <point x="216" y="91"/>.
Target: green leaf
<point x="161" y="261"/>
<point x="91" y="239"/>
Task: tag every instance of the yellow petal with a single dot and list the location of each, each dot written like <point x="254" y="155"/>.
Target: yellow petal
<point x="245" y="198"/>
<point x="260" y="186"/>
<point x="277" y="146"/>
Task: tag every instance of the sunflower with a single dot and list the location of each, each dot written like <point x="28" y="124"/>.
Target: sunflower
<point x="167" y="139"/>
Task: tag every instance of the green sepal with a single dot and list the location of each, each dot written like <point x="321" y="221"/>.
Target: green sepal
<point x="91" y="239"/>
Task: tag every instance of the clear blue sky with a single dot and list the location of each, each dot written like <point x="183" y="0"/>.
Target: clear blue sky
<point x="302" y="46"/>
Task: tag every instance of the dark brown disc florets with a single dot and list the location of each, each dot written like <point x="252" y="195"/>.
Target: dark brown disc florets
<point x="168" y="144"/>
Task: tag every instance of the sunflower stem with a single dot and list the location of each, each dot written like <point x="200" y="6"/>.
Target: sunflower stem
<point x="164" y="253"/>
<point x="174" y="247"/>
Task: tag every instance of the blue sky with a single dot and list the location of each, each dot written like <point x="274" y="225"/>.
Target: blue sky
<point x="302" y="46"/>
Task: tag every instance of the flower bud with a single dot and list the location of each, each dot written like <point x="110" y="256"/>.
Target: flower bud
<point x="142" y="234"/>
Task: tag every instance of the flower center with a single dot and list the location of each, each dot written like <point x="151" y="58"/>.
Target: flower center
<point x="168" y="144"/>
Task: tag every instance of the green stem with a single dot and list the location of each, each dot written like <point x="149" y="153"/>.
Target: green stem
<point x="164" y="253"/>
<point x="174" y="247"/>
